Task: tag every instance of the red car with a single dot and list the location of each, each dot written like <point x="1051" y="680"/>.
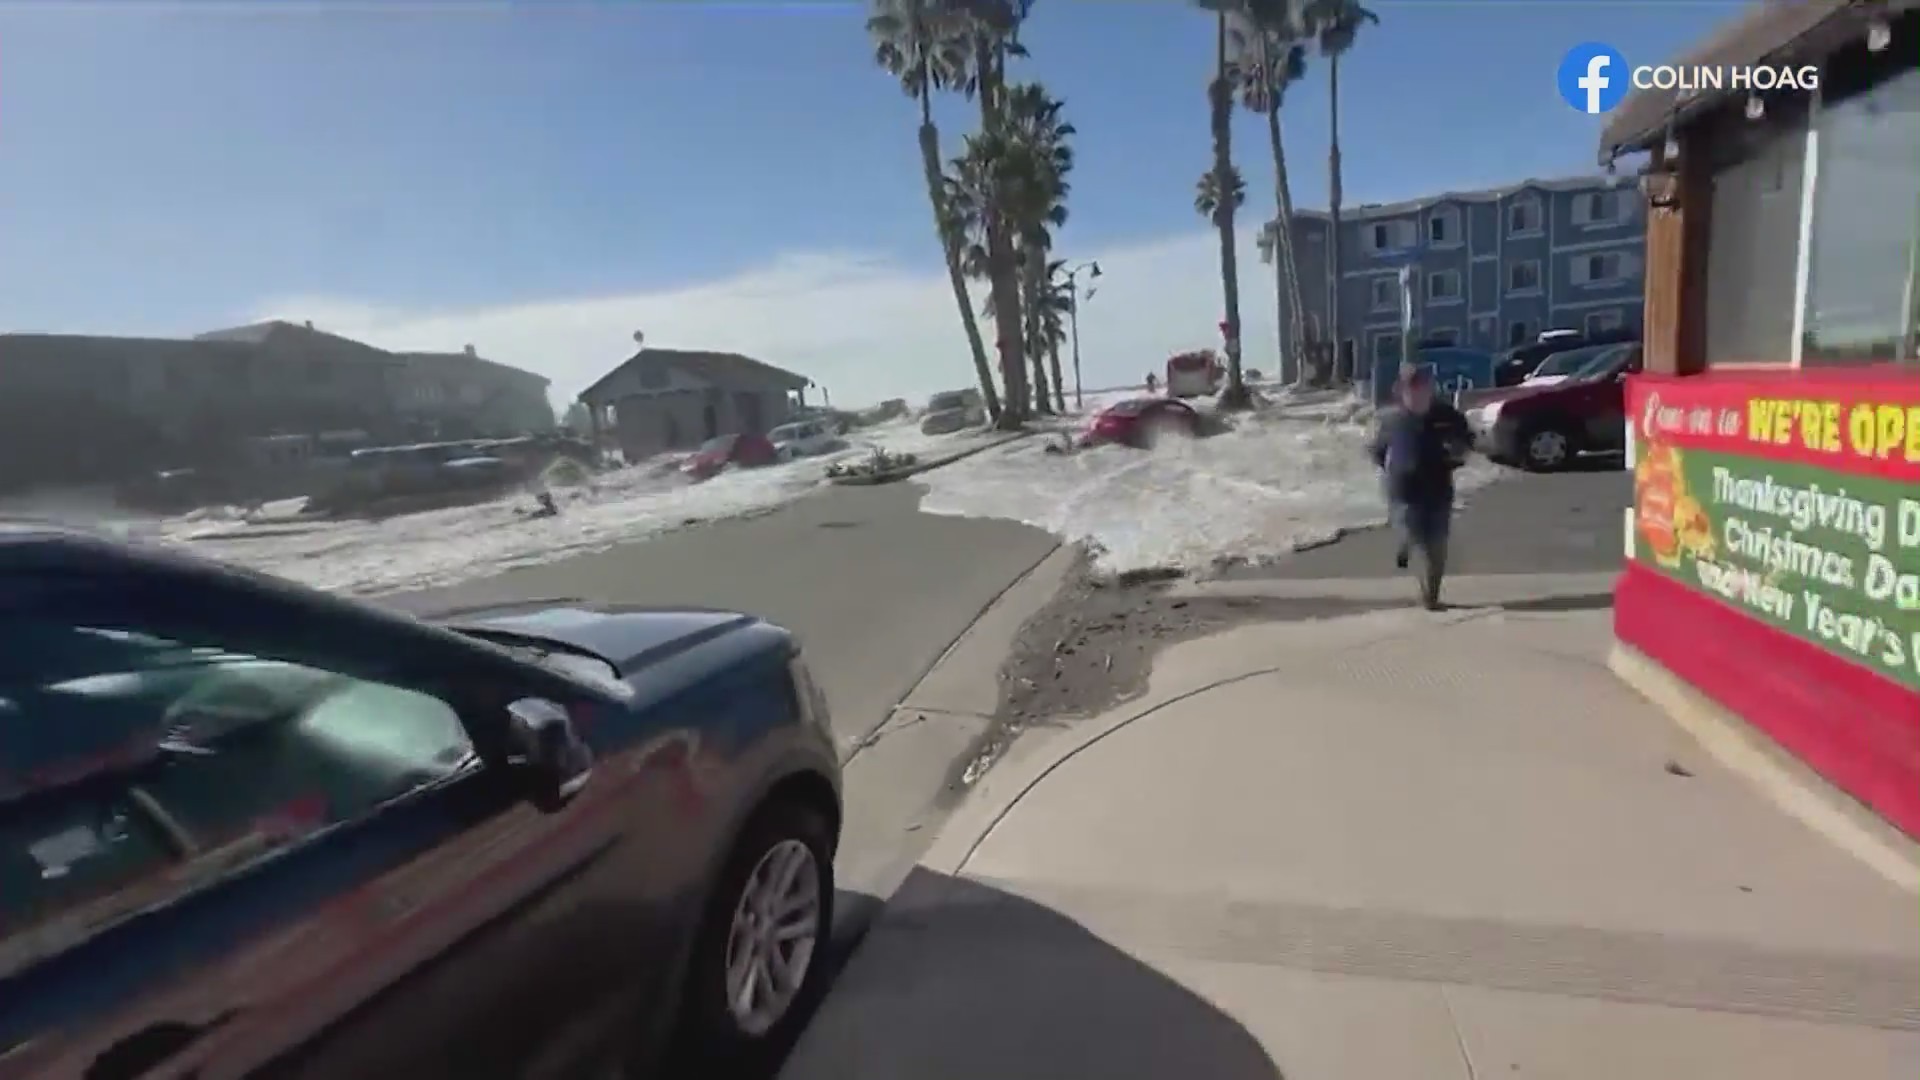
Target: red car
<point x="1546" y="428"/>
<point x="1139" y="422"/>
<point x="742" y="451"/>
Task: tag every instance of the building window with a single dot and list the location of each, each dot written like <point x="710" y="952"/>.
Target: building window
<point x="1442" y="338"/>
<point x="1599" y="322"/>
<point x="1864" y="235"/>
<point x="1385" y="294"/>
<point x="1604" y="268"/>
<point x="1443" y="227"/>
<point x="1443" y="287"/>
<point x="1386" y="347"/>
<point x="1519" y="332"/>
<point x="1597" y="208"/>
<point x="1524" y="276"/>
<point x="1523" y="216"/>
<point x="1390" y="235"/>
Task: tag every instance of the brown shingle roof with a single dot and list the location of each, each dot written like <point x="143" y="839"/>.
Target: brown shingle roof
<point x="1771" y="33"/>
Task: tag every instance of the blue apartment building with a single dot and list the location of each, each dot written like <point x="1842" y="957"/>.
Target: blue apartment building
<point x="1490" y="268"/>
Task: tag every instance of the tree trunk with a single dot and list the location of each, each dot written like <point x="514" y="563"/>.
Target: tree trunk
<point x="1220" y="99"/>
<point x="1002" y="273"/>
<point x="1059" y="384"/>
<point x="936" y="192"/>
<point x="1033" y="274"/>
<point x="1335" y="329"/>
<point x="1293" y="367"/>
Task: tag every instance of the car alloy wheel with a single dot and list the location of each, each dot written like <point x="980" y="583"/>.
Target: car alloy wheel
<point x="774" y="937"/>
<point x="1547" y="449"/>
<point x="760" y="957"/>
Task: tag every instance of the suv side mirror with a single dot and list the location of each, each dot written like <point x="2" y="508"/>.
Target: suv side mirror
<point x="549" y="756"/>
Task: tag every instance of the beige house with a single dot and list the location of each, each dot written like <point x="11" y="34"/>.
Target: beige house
<point x="665" y="399"/>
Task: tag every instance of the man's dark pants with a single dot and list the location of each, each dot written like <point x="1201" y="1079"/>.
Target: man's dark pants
<point x="1423" y="527"/>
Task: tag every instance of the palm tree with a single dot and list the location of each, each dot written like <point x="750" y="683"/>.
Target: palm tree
<point x="1335" y="23"/>
<point x="993" y="28"/>
<point x="1269" y="59"/>
<point x="923" y="44"/>
<point x="1033" y="193"/>
<point x="1220" y="107"/>
<point x="1019" y="179"/>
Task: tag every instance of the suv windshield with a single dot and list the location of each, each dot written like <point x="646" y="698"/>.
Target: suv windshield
<point x="944" y="402"/>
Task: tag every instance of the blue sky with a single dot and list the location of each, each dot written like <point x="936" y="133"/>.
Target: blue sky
<point x="542" y="179"/>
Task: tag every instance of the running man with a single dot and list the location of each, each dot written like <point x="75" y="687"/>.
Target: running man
<point x="1418" y="446"/>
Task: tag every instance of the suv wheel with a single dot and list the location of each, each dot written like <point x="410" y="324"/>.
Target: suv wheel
<point x="1544" y="449"/>
<point x="761" y="956"/>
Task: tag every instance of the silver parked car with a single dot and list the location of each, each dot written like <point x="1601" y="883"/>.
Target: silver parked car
<point x="955" y="410"/>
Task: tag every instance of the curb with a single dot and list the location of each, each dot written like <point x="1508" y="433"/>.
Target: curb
<point x="894" y="475"/>
<point x="1782" y="779"/>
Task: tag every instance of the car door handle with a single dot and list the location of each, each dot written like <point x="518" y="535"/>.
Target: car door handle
<point x="138" y="1053"/>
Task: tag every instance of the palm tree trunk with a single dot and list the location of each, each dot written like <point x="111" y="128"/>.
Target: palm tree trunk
<point x="1343" y="369"/>
<point x="1220" y="99"/>
<point x="1293" y="367"/>
<point x="930" y="161"/>
<point x="1002" y="273"/>
<point x="1059" y="384"/>
<point x="1033" y="273"/>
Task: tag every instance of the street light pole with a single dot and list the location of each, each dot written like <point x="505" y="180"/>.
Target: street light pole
<point x="1073" y="320"/>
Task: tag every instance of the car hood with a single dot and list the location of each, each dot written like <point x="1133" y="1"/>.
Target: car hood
<point x="630" y="637"/>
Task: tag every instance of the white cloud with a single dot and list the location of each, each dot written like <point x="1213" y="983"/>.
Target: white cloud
<point x="866" y="327"/>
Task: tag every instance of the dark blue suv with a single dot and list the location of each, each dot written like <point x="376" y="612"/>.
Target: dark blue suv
<point x="247" y="829"/>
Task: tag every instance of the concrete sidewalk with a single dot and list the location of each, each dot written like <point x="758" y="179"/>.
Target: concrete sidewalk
<point x="1395" y="844"/>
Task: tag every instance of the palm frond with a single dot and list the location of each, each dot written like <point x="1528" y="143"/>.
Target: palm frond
<point x="1206" y="192"/>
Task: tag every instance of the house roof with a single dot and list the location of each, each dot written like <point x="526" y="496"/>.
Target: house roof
<point x="480" y="363"/>
<point x="721" y="368"/>
<point x="1370" y="211"/>
<point x="1771" y="33"/>
<point x="261" y="333"/>
<point x="132" y="348"/>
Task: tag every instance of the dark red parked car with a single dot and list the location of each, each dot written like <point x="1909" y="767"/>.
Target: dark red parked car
<point x="714" y="455"/>
<point x="1140" y="421"/>
<point x="1547" y="428"/>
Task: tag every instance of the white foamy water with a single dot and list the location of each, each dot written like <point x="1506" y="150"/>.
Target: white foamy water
<point x="444" y="547"/>
<point x="1276" y="481"/>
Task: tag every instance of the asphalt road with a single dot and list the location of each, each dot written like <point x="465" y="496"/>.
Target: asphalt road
<point x="875" y="589"/>
<point x="1561" y="523"/>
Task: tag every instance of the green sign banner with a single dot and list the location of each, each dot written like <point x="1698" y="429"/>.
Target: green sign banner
<point x="1830" y="557"/>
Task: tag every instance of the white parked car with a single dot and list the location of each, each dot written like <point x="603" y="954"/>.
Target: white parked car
<point x="804" y="439"/>
<point x="955" y="410"/>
